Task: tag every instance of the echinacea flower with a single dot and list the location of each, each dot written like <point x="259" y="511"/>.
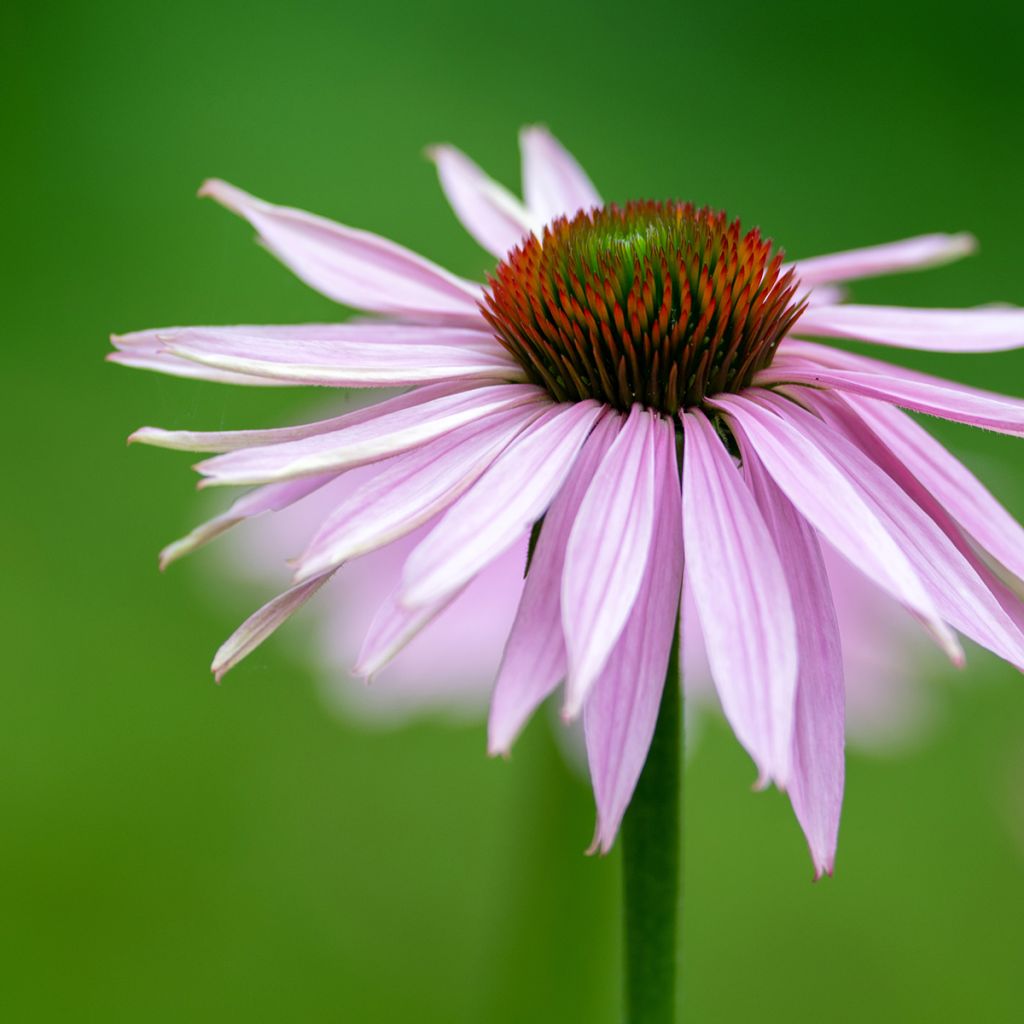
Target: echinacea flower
<point x="635" y="387"/>
<point x="886" y="657"/>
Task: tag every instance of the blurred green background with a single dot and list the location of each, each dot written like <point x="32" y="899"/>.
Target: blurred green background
<point x="176" y="851"/>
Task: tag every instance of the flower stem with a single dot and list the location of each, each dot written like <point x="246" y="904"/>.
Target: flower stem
<point x="652" y="866"/>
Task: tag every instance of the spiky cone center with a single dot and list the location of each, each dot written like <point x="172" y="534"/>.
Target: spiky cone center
<point x="656" y="303"/>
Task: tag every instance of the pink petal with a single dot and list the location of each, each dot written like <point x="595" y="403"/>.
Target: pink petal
<point x="946" y="477"/>
<point x="893" y="257"/>
<point x="913" y="391"/>
<point x="742" y="599"/>
<point x="343" y="363"/>
<point x="487" y="210"/>
<point x="932" y="330"/>
<point x="261" y="624"/>
<point x="368" y="441"/>
<point x="831" y="503"/>
<point x="961" y="595"/>
<point x="534" y="662"/>
<point x="554" y="184"/>
<point x="622" y="709"/>
<point x="353" y="267"/>
<point x="234" y="440"/>
<point x="817" y="773"/>
<point x="410" y="490"/>
<point x="272" y="498"/>
<point x="607" y="553"/>
<point x="503" y="504"/>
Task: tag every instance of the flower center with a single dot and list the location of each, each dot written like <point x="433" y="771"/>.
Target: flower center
<point x="653" y="303"/>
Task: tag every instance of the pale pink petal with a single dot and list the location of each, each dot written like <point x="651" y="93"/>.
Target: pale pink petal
<point x="622" y="709"/>
<point x="410" y="490"/>
<point x="607" y="553"/>
<point x="821" y="295"/>
<point x="262" y="623"/>
<point x="946" y="477"/>
<point x="394" y="626"/>
<point x="893" y="257"/>
<point x="830" y="502"/>
<point x="503" y="504"/>
<point x="742" y="600"/>
<point x="343" y="363"/>
<point x="911" y="390"/>
<point x="353" y="267"/>
<point x="272" y="498"/>
<point x="234" y="440"/>
<point x="368" y="441"/>
<point x="961" y="595"/>
<point x="554" y="184"/>
<point x="932" y="330"/>
<point x="534" y="662"/>
<point x="817" y="772"/>
<point x="487" y="210"/>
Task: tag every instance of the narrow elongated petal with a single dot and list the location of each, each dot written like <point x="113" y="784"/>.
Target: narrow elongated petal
<point x="487" y="210"/>
<point x="607" y="553"/>
<point x="911" y="390"/>
<point x="622" y="709"/>
<point x="261" y="624"/>
<point x="367" y="441"/>
<point x="394" y="626"/>
<point x="503" y="504"/>
<point x="346" y="363"/>
<point x="893" y="257"/>
<point x="554" y="184"/>
<point x="534" y="662"/>
<point x="235" y="440"/>
<point x="932" y="330"/>
<point x="954" y="486"/>
<point x="272" y="498"/>
<point x="817" y="773"/>
<point x="353" y="267"/>
<point x="742" y="599"/>
<point x="960" y="593"/>
<point x="410" y="490"/>
<point x="828" y="500"/>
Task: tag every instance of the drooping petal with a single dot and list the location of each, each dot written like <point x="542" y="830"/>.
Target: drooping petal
<point x="893" y="257"/>
<point x="911" y="390"/>
<point x="742" y="599"/>
<point x="487" y="210"/>
<point x="410" y="490"/>
<point x="622" y="709"/>
<point x="343" y="363"/>
<point x="368" y="441"/>
<point x="818" y="768"/>
<point x="931" y="330"/>
<point x="953" y="484"/>
<point x="145" y="350"/>
<point x="353" y="267"/>
<point x="235" y="440"/>
<point x="262" y="623"/>
<point x="534" y="662"/>
<point x="554" y="184"/>
<point x="940" y="557"/>
<point x="271" y="498"/>
<point x="394" y="626"/>
<point x="503" y="504"/>
<point x="835" y="508"/>
<point x="607" y="553"/>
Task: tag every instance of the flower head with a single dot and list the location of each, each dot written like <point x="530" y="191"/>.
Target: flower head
<point x="633" y="385"/>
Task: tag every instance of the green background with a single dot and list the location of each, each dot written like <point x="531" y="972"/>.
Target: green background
<point x="176" y="851"/>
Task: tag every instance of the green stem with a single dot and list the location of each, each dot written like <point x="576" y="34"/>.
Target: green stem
<point x="652" y="865"/>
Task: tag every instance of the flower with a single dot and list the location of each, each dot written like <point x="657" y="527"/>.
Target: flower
<point x="558" y="399"/>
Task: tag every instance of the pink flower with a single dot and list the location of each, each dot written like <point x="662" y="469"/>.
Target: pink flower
<point x="559" y="398"/>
